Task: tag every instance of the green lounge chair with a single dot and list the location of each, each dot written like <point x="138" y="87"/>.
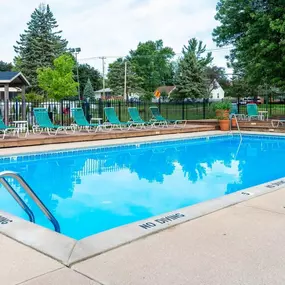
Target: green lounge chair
<point x="81" y="122"/>
<point x="114" y="122"/>
<point x="157" y="117"/>
<point x="5" y="129"/>
<point x="43" y="122"/>
<point x="234" y="111"/>
<point x="252" y="112"/>
<point x="136" y="118"/>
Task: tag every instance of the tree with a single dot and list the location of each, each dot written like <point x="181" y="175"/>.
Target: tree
<point x="116" y="78"/>
<point x="5" y="66"/>
<point x="191" y="77"/>
<point x="58" y="82"/>
<point x="255" y="29"/>
<point x="39" y="45"/>
<point x="86" y="72"/>
<point x="152" y="62"/>
<point x="88" y="90"/>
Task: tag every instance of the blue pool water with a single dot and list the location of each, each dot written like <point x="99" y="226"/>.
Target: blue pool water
<point x="95" y="190"/>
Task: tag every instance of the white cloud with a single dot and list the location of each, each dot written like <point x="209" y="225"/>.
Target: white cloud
<point x="113" y="27"/>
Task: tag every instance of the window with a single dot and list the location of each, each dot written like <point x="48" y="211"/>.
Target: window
<point x="218" y="95"/>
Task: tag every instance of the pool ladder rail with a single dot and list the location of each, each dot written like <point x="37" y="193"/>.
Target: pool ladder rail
<point x="31" y="193"/>
<point x="234" y="116"/>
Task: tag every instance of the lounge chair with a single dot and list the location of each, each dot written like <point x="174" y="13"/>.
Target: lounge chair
<point x="5" y="129"/>
<point x="277" y="123"/>
<point x="252" y="112"/>
<point x="81" y="122"/>
<point x="43" y="122"/>
<point x="234" y="111"/>
<point x="156" y="117"/>
<point x="136" y="118"/>
<point x="114" y="122"/>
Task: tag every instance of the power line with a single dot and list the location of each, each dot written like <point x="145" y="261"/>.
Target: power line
<point x="149" y="55"/>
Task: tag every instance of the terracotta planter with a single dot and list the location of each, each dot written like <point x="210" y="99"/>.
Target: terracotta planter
<point x="234" y="122"/>
<point x="224" y="125"/>
<point x="222" y="113"/>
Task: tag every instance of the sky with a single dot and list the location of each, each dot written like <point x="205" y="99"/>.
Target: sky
<point x="112" y="28"/>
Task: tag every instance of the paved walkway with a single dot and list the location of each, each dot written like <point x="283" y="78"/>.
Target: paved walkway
<point x="240" y="245"/>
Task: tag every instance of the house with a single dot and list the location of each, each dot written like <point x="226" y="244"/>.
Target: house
<point x="163" y="89"/>
<point x="217" y="92"/>
<point x="103" y="94"/>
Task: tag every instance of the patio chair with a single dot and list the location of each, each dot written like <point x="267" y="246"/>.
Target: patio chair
<point x="44" y="123"/>
<point x="157" y="117"/>
<point x="136" y="118"/>
<point x="5" y="129"/>
<point x="81" y="122"/>
<point x="277" y="123"/>
<point x="252" y="112"/>
<point x="234" y="111"/>
<point x="114" y="122"/>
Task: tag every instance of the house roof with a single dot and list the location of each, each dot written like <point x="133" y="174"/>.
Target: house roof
<point x="102" y="90"/>
<point x="14" y="79"/>
<point x="167" y="89"/>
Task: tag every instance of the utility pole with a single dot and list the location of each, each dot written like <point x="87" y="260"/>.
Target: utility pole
<point x="76" y="51"/>
<point x="125" y="85"/>
<point x="103" y="71"/>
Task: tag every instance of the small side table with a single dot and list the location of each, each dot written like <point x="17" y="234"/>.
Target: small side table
<point x="23" y="127"/>
<point x="263" y="114"/>
<point x="97" y="120"/>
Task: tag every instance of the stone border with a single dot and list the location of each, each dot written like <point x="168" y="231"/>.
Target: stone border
<point x="70" y="251"/>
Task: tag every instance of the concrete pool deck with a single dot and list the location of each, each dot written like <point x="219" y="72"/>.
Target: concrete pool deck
<point x="241" y="244"/>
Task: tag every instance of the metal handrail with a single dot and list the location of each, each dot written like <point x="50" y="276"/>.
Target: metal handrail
<point x="31" y="193"/>
<point x="234" y="115"/>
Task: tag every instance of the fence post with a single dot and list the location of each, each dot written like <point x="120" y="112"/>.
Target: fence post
<point x="204" y="108"/>
<point x="61" y="111"/>
<point x="159" y="104"/>
<point x="270" y="105"/>
<point x="183" y="117"/>
<point x="100" y="107"/>
<point x="119" y="107"/>
<point x="238" y="105"/>
<point x="17" y="110"/>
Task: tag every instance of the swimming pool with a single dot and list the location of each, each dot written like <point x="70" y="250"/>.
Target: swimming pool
<point x="93" y="190"/>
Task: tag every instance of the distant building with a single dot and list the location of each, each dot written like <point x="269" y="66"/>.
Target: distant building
<point x="103" y="94"/>
<point x="217" y="92"/>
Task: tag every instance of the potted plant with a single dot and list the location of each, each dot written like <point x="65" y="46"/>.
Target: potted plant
<point x="222" y="108"/>
<point x="224" y="123"/>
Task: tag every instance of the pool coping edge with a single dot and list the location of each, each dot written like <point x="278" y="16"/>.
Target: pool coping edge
<point x="69" y="251"/>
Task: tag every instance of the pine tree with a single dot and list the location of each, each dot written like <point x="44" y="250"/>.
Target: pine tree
<point x="39" y="45"/>
<point x="191" y="77"/>
<point x="88" y="90"/>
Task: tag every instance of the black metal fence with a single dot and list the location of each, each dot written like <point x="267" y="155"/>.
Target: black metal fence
<point x="60" y="112"/>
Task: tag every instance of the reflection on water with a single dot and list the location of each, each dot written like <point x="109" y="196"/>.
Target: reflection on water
<point x="92" y="192"/>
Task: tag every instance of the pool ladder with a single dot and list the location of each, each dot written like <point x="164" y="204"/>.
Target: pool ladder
<point x="31" y="193"/>
<point x="234" y="116"/>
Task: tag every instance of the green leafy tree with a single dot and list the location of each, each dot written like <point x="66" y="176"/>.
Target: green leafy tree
<point x="5" y="66"/>
<point x="86" y="72"/>
<point x="191" y="76"/>
<point x="255" y="29"/>
<point x="39" y="45"/>
<point x="88" y="90"/>
<point x="152" y="62"/>
<point x="116" y="78"/>
<point x="58" y="82"/>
